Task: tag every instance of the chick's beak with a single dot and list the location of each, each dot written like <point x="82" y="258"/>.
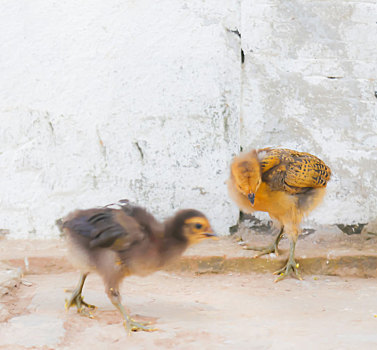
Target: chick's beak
<point x="210" y="234"/>
<point x="251" y="197"/>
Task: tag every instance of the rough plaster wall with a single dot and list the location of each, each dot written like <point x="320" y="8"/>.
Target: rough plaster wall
<point x="309" y="82"/>
<point x="145" y="100"/>
<point x="103" y="100"/>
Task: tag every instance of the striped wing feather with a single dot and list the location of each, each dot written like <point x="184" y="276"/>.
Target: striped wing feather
<point x="285" y="167"/>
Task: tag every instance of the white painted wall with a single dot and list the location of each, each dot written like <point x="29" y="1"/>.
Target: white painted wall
<point x="309" y="83"/>
<point x="103" y="100"/>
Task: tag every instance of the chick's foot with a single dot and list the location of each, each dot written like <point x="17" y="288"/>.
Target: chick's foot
<point x="77" y="300"/>
<point x="291" y="266"/>
<point x="133" y="326"/>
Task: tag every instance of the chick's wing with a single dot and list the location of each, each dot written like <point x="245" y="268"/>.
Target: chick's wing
<point x="306" y="170"/>
<point x="106" y="228"/>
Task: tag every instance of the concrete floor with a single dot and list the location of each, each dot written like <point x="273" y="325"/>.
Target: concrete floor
<point x="209" y="311"/>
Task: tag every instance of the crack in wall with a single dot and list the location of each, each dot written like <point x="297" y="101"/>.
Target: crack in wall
<point x="140" y="150"/>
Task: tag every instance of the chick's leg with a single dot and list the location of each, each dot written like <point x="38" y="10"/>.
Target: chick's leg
<point x="291" y="265"/>
<point x="130" y="324"/>
<point x="77" y="299"/>
<point x="273" y="248"/>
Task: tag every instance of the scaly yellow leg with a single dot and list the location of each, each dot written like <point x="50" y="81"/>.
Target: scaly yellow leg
<point x="129" y="324"/>
<point x="77" y="300"/>
<point x="273" y="248"/>
<point x="291" y="265"/>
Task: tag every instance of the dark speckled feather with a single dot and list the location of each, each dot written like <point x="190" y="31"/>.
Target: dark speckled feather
<point x="292" y="171"/>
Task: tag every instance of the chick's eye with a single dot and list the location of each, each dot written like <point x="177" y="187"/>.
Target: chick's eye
<point x="198" y="226"/>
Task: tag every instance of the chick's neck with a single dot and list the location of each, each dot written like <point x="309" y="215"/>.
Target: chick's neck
<point x="173" y="243"/>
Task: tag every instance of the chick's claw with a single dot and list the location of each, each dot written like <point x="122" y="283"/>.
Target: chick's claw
<point x="291" y="266"/>
<point x="83" y="308"/>
<point x="133" y="326"/>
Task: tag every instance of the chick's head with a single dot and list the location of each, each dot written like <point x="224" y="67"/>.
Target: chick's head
<point x="247" y="174"/>
<point x="196" y="229"/>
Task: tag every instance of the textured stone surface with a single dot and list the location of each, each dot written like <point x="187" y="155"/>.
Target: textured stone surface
<point x="4" y="314"/>
<point x="34" y="330"/>
<point x="10" y="278"/>
<point x="318" y="253"/>
<point x="201" y="312"/>
<point x="370" y="229"/>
